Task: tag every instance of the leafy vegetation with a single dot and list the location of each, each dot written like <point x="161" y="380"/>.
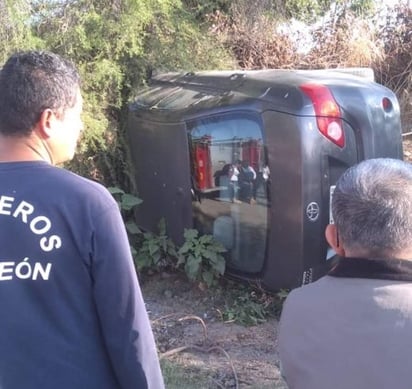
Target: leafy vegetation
<point x="249" y="305"/>
<point x="156" y="250"/>
<point x="311" y="10"/>
<point x="117" y="46"/>
<point x="202" y="257"/>
<point x="127" y="203"/>
<point x="15" y="32"/>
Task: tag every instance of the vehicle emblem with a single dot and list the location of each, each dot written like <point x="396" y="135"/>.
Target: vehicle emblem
<point x="312" y="211"/>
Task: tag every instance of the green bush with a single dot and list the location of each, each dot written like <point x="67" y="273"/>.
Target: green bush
<point x="117" y="46"/>
<point x="250" y="305"/>
<point x="127" y="203"/>
<point x="157" y="251"/>
<point x="201" y="257"/>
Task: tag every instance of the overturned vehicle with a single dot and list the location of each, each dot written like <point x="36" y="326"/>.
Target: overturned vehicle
<point x="252" y="158"/>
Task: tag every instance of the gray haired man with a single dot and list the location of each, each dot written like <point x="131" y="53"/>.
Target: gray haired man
<point x="353" y="327"/>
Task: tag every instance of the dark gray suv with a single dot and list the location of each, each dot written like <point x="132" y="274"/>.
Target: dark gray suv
<point x="252" y="158"/>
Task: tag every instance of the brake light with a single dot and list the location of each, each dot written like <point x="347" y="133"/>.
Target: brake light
<point x="386" y="104"/>
<point x="327" y="111"/>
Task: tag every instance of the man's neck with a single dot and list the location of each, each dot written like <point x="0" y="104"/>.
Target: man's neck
<point x="20" y="149"/>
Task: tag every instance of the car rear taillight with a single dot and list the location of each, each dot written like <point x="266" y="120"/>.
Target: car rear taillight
<point x="327" y="111"/>
<point x="387" y="104"/>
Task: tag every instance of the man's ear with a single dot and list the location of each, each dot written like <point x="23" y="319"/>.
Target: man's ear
<point x="332" y="237"/>
<point x="45" y="123"/>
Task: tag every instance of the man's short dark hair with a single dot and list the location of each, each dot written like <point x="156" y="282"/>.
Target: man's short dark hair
<point x="31" y="82"/>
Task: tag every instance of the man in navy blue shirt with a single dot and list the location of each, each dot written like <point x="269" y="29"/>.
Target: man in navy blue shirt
<point x="72" y="313"/>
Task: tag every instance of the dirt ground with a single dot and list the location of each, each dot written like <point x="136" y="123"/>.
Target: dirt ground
<point x="233" y="356"/>
<point x="189" y="331"/>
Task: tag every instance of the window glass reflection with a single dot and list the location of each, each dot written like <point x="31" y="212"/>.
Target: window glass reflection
<point x="230" y="177"/>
